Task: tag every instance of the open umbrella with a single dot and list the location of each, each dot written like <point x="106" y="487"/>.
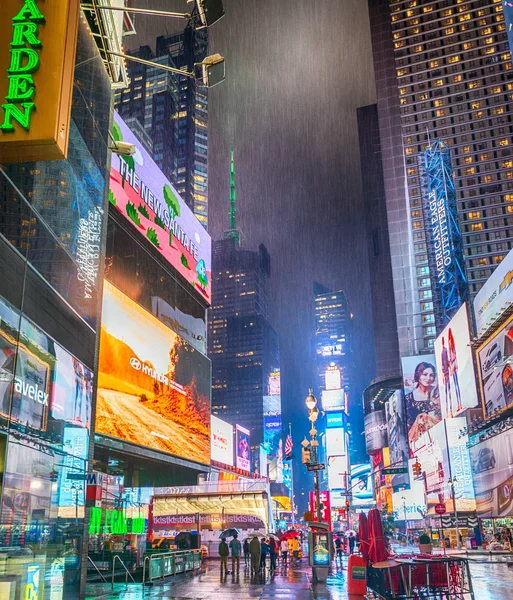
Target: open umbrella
<point x="377" y="549"/>
<point x="272" y="535"/>
<point x="349" y="532"/>
<point x="291" y="533"/>
<point x="229" y="532"/>
<point x="363" y="532"/>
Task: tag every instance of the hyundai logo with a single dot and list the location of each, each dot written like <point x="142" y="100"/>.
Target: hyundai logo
<point x="135" y="363"/>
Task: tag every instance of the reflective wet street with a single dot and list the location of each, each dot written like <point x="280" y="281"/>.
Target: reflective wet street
<point x="492" y="580"/>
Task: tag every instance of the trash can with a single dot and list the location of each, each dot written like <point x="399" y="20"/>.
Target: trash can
<point x="357" y="575"/>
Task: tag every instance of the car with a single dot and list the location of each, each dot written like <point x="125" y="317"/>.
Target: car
<point x="492" y="356"/>
<point x="485" y="460"/>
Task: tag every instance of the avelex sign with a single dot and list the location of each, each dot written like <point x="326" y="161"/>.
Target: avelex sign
<point x="37" y="56"/>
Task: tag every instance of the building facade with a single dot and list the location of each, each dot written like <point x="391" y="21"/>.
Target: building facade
<point x="443" y="71"/>
<point x="173" y="110"/>
<point x="242" y="344"/>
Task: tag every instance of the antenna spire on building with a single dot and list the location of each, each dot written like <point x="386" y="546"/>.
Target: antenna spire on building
<point x="233" y="232"/>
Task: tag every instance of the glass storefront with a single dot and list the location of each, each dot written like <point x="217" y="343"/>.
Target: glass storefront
<point x="52" y="217"/>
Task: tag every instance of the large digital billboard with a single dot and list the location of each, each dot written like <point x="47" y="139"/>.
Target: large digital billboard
<point x="153" y="387"/>
<point x="496" y="294"/>
<point x="46" y="381"/>
<point x="142" y="194"/>
<point x="457" y="380"/>
<point x="243" y="448"/>
<point x="422" y="397"/>
<point x="335" y="442"/>
<point x="332" y="378"/>
<point x="192" y="329"/>
<point x="410" y="505"/>
<point x="397" y="437"/>
<point x="495" y="370"/>
<point x="333" y="399"/>
<point x="376" y="434"/>
<point x="338" y="472"/>
<point x="361" y="485"/>
<point x="492" y="467"/>
<point x="221" y="449"/>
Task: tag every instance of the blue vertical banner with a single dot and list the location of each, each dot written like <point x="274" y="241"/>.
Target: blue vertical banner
<point x="507" y="7"/>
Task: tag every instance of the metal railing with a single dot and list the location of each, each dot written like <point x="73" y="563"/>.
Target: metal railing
<point x="127" y="572"/>
<point x="163" y="564"/>
<point x="97" y="569"/>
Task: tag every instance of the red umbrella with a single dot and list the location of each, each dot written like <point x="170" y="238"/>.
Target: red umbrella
<point x="363" y="533"/>
<point x="377" y="549"/>
<point x="291" y="533"/>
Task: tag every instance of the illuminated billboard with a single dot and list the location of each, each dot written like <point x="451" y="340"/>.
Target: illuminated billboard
<point x="221" y="448"/>
<point x="496" y="294"/>
<point x="492" y="467"/>
<point x="422" y="397"/>
<point x="457" y="381"/>
<point x="274" y="384"/>
<point x="338" y="468"/>
<point x="335" y="442"/>
<point x="334" y="419"/>
<point x="332" y="378"/>
<point x="243" y="449"/>
<point x="333" y="399"/>
<point x="376" y="434"/>
<point x="397" y="437"/>
<point x="495" y="370"/>
<point x="153" y="387"/>
<point x="361" y="485"/>
<point x="142" y="194"/>
<point x="410" y="505"/>
<point x="192" y="329"/>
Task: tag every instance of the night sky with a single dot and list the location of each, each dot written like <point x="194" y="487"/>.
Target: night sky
<point x="296" y="70"/>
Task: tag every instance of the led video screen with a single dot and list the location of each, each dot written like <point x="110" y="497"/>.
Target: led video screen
<point x="153" y="387"/>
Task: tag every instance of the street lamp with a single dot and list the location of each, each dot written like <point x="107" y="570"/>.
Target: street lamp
<point x="451" y="483"/>
<point x="313" y="414"/>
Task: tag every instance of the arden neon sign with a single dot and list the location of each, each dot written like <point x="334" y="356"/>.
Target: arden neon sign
<point x="25" y="62"/>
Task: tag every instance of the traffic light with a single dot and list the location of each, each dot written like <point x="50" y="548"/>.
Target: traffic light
<point x="306" y="456"/>
<point x="417" y="469"/>
<point x="348" y="504"/>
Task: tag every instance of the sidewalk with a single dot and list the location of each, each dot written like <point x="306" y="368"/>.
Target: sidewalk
<point x="289" y="583"/>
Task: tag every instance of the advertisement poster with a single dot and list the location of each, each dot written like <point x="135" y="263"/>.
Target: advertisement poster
<point x="142" y="194"/>
<point x="274" y="384"/>
<point x="221" y="444"/>
<point x="335" y="442"/>
<point x="333" y="399"/>
<point x="376" y="434"/>
<point x="243" y="448"/>
<point x="153" y="387"/>
<point x="361" y="485"/>
<point x="325" y="500"/>
<point x="321" y="553"/>
<point x="492" y="468"/>
<point x="497" y="293"/>
<point x="397" y="437"/>
<point x="332" y="378"/>
<point x="457" y="381"/>
<point x="71" y="492"/>
<point x="338" y="472"/>
<point x="410" y="505"/>
<point x="421" y="394"/>
<point x="495" y="370"/>
<point x="334" y="420"/>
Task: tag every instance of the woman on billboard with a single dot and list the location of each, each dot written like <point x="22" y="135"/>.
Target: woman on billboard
<point x="422" y="402"/>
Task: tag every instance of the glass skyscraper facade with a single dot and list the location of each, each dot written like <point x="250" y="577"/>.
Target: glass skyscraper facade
<point x="443" y="71"/>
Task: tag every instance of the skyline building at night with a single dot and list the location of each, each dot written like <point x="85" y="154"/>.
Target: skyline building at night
<point x="171" y="112"/>
<point x="443" y="72"/>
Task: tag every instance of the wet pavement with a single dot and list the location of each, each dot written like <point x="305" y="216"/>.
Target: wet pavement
<point x="492" y="580"/>
<point x="290" y="583"/>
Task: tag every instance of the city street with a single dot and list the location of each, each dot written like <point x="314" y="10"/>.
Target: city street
<point x="492" y="580"/>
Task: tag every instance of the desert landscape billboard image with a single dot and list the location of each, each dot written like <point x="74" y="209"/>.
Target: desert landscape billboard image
<point x="153" y="387"/>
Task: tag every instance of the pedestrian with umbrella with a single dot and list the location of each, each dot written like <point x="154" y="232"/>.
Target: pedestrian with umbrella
<point x="235" y="547"/>
<point x="284" y="546"/>
<point x="254" y="549"/>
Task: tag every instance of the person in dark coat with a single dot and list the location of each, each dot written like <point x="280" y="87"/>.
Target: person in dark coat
<point x="254" y="550"/>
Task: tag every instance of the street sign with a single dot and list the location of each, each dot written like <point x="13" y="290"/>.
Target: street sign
<point x="394" y="470"/>
<point x="317" y="467"/>
<point x="440" y="509"/>
<point x="76" y="476"/>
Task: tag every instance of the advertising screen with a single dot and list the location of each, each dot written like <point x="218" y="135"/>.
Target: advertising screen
<point x="221" y="448"/>
<point x="492" y="466"/>
<point x="334" y="419"/>
<point x="192" y="329"/>
<point x="48" y="384"/>
<point x="242" y="448"/>
<point x="332" y="378"/>
<point x="71" y="491"/>
<point x="397" y="438"/>
<point x="338" y="468"/>
<point x="361" y="485"/>
<point x="376" y="434"/>
<point x="274" y="383"/>
<point x="422" y="398"/>
<point x="497" y="293"/>
<point x="335" y="442"/>
<point x="142" y="194"/>
<point x="325" y="500"/>
<point x="410" y="505"/>
<point x="495" y="370"/>
<point x="457" y="381"/>
<point x="153" y="387"/>
<point x="333" y="399"/>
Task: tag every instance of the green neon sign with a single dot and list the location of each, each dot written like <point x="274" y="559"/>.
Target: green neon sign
<point x="24" y="63"/>
<point x="115" y="522"/>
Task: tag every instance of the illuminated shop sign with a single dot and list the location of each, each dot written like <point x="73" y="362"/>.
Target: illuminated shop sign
<point x="37" y="56"/>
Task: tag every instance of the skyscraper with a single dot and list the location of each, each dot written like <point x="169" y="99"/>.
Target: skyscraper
<point x="443" y="71"/>
<point x="174" y="112"/>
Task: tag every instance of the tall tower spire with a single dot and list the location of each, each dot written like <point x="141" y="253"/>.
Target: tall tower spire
<point x="233" y="232"/>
